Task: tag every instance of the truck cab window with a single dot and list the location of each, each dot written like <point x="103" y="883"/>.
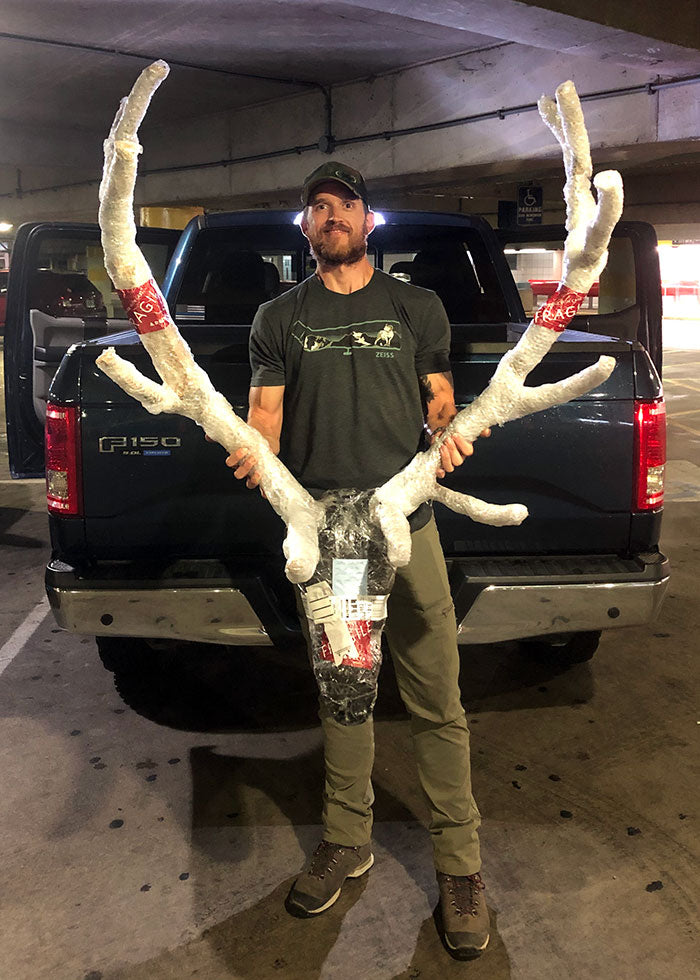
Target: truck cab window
<point x="70" y="279"/>
<point x="226" y="281"/>
<point x="461" y="275"/>
<point x="537" y="267"/>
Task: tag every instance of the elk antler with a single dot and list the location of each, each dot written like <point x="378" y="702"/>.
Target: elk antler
<point x="186" y="388"/>
<point x="589" y="225"/>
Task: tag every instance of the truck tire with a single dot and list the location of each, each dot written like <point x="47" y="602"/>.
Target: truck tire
<point x="123" y="654"/>
<point x="567" y="649"/>
<point x="144" y="681"/>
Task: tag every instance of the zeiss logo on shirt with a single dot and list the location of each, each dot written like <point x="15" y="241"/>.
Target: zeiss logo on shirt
<point x="381" y="336"/>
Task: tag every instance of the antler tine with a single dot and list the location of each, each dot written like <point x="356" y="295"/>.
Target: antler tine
<point x="155" y="398"/>
<point x="479" y="510"/>
<point x="123" y="260"/>
<point x="589" y="226"/>
<point x="549" y="111"/>
<point x="564" y="117"/>
<point x="608" y="184"/>
<point x="137" y="102"/>
<point x="108" y="148"/>
<point x="186" y="388"/>
<point x="548" y="395"/>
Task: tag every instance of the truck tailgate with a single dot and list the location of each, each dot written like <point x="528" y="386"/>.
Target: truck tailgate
<point x="572" y="466"/>
<point x="154" y="487"/>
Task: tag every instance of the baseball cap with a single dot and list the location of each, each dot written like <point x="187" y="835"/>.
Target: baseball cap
<point x="352" y="179"/>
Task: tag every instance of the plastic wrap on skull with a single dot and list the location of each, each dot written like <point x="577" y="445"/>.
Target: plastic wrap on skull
<point x="346" y="603"/>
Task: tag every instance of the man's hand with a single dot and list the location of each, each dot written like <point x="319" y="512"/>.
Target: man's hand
<point x="244" y="466"/>
<point x="454" y="451"/>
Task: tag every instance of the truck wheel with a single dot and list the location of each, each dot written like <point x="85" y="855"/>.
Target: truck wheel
<point x="141" y="678"/>
<point x="571" y="648"/>
<point x="123" y="654"/>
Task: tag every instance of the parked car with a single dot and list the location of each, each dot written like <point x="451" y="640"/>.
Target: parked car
<point x="65" y="294"/>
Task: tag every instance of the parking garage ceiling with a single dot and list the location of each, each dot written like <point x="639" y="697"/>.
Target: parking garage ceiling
<point x="64" y="65"/>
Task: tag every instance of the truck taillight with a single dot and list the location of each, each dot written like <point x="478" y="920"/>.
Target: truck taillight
<point x="649" y="454"/>
<point x="64" y="491"/>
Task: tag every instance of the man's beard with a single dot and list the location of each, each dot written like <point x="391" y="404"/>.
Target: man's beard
<point x="348" y="251"/>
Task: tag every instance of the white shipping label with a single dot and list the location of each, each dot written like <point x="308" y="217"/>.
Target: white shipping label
<point x="350" y="577"/>
<point x="318" y="602"/>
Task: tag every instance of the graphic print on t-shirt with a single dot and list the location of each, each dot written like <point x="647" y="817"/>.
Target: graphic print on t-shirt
<point x="381" y="336"/>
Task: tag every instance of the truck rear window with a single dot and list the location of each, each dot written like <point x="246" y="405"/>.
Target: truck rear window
<point x="70" y="279"/>
<point x="231" y="271"/>
<point x="537" y="268"/>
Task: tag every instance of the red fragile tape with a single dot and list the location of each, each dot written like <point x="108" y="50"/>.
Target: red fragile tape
<point x="145" y="307"/>
<point x="560" y="309"/>
<point x="361" y="633"/>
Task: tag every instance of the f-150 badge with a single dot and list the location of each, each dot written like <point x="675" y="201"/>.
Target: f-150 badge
<point x="139" y="445"/>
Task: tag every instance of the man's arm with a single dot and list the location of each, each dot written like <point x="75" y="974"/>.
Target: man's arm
<point x="265" y="406"/>
<point x="437" y="392"/>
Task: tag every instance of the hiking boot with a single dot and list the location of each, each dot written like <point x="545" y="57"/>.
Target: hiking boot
<point x="319" y="886"/>
<point x="465" y="918"/>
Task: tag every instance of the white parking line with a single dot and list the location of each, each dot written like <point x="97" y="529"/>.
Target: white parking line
<point x="36" y="617"/>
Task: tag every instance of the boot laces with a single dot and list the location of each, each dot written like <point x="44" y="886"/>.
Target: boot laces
<point x="464" y="892"/>
<point x="324" y="857"/>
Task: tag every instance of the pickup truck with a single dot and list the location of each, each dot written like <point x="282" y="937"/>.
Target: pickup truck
<point x="154" y="542"/>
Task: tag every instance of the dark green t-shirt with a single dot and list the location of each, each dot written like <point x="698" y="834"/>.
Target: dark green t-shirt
<point x="350" y="366"/>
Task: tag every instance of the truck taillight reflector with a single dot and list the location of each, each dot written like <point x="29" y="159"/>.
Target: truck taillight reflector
<point x="63" y="475"/>
<point x="649" y="454"/>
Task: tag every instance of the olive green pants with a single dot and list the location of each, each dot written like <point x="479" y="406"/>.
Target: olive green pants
<point x="422" y="634"/>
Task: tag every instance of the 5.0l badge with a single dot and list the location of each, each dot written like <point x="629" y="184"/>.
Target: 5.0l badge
<point x="139" y="445"/>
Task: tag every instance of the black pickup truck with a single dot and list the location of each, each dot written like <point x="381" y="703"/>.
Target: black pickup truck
<point x="152" y="538"/>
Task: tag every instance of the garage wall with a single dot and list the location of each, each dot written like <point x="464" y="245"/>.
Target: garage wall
<point x="468" y="85"/>
<point x="502" y="76"/>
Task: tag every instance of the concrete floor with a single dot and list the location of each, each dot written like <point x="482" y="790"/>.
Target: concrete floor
<point x="157" y="839"/>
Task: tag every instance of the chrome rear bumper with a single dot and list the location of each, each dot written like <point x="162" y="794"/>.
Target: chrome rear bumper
<point x="511" y="612"/>
<point x="201" y="615"/>
<point x="494" y="600"/>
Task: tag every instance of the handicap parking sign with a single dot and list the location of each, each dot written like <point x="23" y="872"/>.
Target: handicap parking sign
<point x="529" y="204"/>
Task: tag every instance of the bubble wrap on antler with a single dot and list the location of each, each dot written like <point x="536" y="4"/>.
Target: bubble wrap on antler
<point x="186" y="388"/>
<point x="345" y="630"/>
<point x="589" y="227"/>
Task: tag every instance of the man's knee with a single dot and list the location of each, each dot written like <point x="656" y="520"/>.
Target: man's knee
<point x="346" y="712"/>
<point x="440" y="719"/>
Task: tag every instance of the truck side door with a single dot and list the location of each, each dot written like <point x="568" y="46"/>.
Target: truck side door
<point x="58" y="294"/>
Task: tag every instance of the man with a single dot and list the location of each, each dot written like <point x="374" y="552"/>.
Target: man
<point x="354" y="421"/>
